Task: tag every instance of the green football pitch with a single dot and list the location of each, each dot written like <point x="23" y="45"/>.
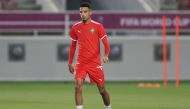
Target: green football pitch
<point x="60" y="95"/>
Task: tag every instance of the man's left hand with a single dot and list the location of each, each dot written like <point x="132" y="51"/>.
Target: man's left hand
<point x="105" y="59"/>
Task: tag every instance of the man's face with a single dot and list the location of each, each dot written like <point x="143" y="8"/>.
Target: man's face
<point x="85" y="13"/>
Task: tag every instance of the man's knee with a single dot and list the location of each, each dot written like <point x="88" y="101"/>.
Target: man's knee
<point x="78" y="88"/>
<point x="102" y="90"/>
<point x="79" y="85"/>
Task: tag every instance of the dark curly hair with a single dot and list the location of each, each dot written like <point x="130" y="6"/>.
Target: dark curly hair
<point x="85" y="3"/>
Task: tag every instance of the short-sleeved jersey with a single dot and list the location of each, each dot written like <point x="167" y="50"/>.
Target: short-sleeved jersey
<point x="88" y="37"/>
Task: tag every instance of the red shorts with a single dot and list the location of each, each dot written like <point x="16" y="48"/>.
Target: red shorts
<point x="95" y="72"/>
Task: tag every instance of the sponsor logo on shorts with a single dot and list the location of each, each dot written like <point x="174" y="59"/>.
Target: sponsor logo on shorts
<point x="100" y="67"/>
<point x="100" y="79"/>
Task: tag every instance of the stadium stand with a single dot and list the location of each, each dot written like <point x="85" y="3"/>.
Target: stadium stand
<point x="134" y="5"/>
<point x="152" y="4"/>
<point x="51" y="5"/>
<point x="184" y="5"/>
<point x="20" y="5"/>
<point x="122" y="5"/>
<point x="168" y="5"/>
<point x="7" y="5"/>
<point x="62" y="6"/>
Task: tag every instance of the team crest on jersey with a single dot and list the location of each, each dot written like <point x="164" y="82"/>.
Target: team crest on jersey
<point x="92" y="30"/>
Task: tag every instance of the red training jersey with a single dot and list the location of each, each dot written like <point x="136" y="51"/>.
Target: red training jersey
<point x="88" y="37"/>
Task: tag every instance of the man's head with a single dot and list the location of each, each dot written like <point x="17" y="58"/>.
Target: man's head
<point x="85" y="10"/>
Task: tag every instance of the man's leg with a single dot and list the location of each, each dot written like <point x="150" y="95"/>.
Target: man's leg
<point x="105" y="95"/>
<point x="78" y="93"/>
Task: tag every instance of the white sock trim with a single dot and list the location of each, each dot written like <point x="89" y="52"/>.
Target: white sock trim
<point x="108" y="107"/>
<point x="79" y="107"/>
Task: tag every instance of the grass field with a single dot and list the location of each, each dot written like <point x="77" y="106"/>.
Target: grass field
<point x="60" y="95"/>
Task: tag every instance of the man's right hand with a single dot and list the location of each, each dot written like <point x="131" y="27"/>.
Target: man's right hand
<point x="71" y="68"/>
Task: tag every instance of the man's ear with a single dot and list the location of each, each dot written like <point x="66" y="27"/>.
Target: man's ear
<point x="90" y="11"/>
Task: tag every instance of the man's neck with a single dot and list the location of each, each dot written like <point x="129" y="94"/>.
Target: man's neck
<point x="87" y="21"/>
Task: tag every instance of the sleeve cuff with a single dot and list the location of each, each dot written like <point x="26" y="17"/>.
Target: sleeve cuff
<point x="73" y="39"/>
<point x="103" y="37"/>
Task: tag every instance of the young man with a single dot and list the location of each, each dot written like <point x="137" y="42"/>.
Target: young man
<point x="88" y="33"/>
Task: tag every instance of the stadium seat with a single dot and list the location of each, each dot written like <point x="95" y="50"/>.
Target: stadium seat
<point x="19" y="5"/>
<point x="7" y="5"/>
<point x="27" y="5"/>
<point x="24" y="1"/>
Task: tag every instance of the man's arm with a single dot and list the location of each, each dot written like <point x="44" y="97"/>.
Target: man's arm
<point x="106" y="50"/>
<point x="71" y="55"/>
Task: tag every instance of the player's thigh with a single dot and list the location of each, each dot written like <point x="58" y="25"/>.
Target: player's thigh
<point x="80" y="71"/>
<point x="96" y="75"/>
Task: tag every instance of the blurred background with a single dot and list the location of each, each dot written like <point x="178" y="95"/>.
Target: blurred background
<point x="34" y="50"/>
<point x="34" y="38"/>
